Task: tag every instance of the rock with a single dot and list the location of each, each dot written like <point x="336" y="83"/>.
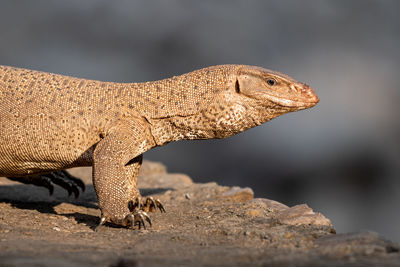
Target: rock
<point x="302" y="214"/>
<point x="267" y="204"/>
<point x="239" y="194"/>
<point x="151" y="168"/>
<point x="361" y="243"/>
<point x="205" y="224"/>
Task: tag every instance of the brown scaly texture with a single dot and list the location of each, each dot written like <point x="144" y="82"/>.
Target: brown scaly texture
<point x="52" y="122"/>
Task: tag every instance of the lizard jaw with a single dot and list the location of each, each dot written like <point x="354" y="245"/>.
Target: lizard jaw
<point x="302" y="96"/>
<point x="285" y="102"/>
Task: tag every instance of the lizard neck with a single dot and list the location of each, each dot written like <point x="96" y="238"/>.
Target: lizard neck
<point x="220" y="119"/>
<point x="170" y="104"/>
<point x="182" y="95"/>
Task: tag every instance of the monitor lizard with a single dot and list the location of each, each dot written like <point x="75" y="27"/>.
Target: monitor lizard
<point x="50" y="122"/>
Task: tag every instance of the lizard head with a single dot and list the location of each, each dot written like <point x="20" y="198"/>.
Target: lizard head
<point x="254" y="96"/>
<point x="273" y="87"/>
<point x="229" y="99"/>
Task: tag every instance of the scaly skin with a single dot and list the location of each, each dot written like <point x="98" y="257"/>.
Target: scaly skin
<point x="51" y="122"/>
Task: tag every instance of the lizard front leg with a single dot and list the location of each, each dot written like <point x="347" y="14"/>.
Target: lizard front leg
<point x="116" y="163"/>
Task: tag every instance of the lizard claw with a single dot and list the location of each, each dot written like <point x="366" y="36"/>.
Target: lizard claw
<point x="148" y="205"/>
<point x="139" y="209"/>
<point x="138" y="218"/>
<point x="45" y="182"/>
<point x="66" y="181"/>
<point x="74" y="179"/>
<point x="101" y="223"/>
<point x="151" y="205"/>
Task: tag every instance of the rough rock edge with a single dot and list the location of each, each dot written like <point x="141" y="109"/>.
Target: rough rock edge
<point x="221" y="226"/>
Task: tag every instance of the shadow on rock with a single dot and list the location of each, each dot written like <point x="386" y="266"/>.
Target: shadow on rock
<point x="85" y="219"/>
<point x="152" y="191"/>
<point x="42" y="207"/>
<point x="32" y="198"/>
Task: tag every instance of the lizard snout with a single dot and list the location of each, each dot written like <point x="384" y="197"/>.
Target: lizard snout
<point x="308" y="93"/>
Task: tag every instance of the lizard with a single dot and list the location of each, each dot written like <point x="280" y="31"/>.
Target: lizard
<point x="51" y="122"/>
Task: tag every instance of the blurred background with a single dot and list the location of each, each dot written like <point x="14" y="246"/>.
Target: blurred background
<point x="341" y="157"/>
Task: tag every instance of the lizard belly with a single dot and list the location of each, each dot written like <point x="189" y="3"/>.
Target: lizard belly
<point x="37" y="149"/>
<point x="19" y="165"/>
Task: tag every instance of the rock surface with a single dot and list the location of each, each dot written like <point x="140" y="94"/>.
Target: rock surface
<point x="205" y="224"/>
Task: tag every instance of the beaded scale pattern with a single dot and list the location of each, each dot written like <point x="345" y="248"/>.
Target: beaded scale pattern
<point x="51" y="122"/>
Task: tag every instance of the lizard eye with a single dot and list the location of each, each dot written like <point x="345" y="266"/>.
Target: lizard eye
<point x="271" y="82"/>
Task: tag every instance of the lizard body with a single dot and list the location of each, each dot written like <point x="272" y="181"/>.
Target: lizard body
<point x="50" y="122"/>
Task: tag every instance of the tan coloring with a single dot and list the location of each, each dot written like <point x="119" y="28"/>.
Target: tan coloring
<point x="51" y="122"/>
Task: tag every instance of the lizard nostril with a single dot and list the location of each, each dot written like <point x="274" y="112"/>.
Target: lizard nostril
<point x="305" y="89"/>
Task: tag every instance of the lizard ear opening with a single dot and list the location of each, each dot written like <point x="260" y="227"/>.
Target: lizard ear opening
<point x="237" y="87"/>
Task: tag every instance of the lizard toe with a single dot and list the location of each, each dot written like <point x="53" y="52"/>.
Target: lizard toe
<point x="153" y="204"/>
<point x="137" y="218"/>
<point x="150" y="205"/>
<point x="66" y="181"/>
<point x="74" y="179"/>
<point x="138" y="208"/>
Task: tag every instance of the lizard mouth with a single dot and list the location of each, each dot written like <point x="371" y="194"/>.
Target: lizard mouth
<point x="301" y="96"/>
<point x="299" y="102"/>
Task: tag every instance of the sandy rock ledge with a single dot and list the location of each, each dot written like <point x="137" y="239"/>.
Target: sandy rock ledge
<point x="205" y="224"/>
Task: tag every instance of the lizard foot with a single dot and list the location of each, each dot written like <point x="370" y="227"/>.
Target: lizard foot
<point x="67" y="181"/>
<point x="138" y="213"/>
<point x="139" y="209"/>
<point x="137" y="218"/>
<point x="61" y="178"/>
